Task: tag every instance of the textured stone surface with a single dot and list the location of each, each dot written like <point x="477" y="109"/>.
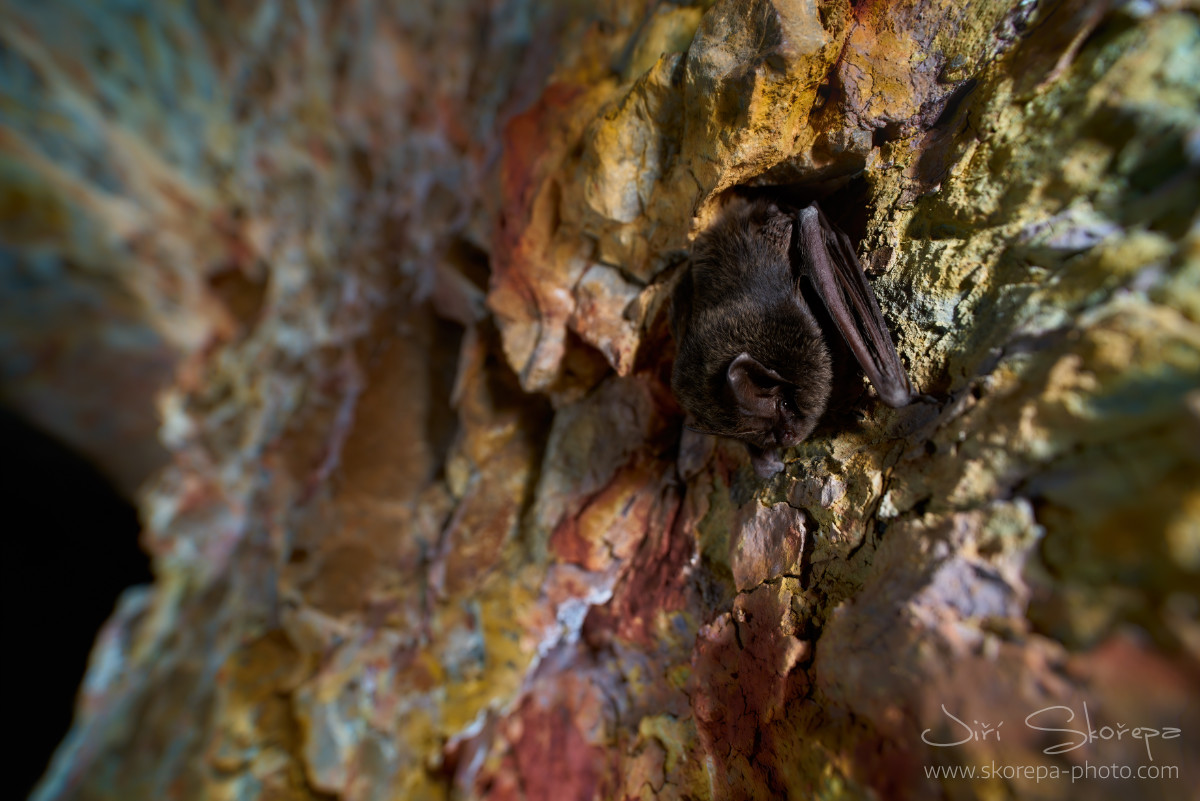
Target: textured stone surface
<point x="429" y="525"/>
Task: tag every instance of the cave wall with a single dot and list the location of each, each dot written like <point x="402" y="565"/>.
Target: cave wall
<point x="387" y="288"/>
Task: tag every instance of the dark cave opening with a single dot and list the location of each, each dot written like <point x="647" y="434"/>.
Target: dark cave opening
<point x="73" y="543"/>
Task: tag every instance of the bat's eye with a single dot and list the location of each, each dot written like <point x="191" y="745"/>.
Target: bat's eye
<point x="789" y="404"/>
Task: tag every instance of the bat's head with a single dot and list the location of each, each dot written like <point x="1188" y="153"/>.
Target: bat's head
<point x="769" y="390"/>
<point x="779" y="407"/>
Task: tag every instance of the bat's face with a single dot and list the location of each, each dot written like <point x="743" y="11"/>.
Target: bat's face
<point x="778" y="408"/>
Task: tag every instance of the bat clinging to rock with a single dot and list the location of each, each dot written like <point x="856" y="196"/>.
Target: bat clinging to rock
<point x="754" y="320"/>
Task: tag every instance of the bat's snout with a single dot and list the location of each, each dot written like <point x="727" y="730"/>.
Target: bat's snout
<point x="789" y="438"/>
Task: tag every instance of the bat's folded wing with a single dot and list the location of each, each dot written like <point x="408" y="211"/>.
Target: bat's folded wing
<point x="842" y="286"/>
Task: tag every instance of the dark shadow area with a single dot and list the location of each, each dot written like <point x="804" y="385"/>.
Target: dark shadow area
<point x="442" y="422"/>
<point x="73" y="544"/>
<point x="846" y="200"/>
<point x="941" y="145"/>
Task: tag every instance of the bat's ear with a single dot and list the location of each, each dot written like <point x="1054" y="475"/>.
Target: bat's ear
<point x="755" y="387"/>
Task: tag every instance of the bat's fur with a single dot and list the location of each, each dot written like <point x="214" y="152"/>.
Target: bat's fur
<point x="740" y="319"/>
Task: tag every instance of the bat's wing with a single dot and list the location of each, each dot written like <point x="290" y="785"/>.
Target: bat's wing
<point x="828" y="260"/>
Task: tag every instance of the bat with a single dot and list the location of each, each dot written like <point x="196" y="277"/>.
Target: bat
<point x="759" y="321"/>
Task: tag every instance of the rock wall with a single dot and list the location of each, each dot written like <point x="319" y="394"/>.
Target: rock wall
<point x="429" y="525"/>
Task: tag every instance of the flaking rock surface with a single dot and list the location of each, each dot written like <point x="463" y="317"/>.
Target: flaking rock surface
<point x="374" y="304"/>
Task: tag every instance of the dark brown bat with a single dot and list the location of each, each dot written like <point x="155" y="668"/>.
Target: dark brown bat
<point x="752" y="320"/>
